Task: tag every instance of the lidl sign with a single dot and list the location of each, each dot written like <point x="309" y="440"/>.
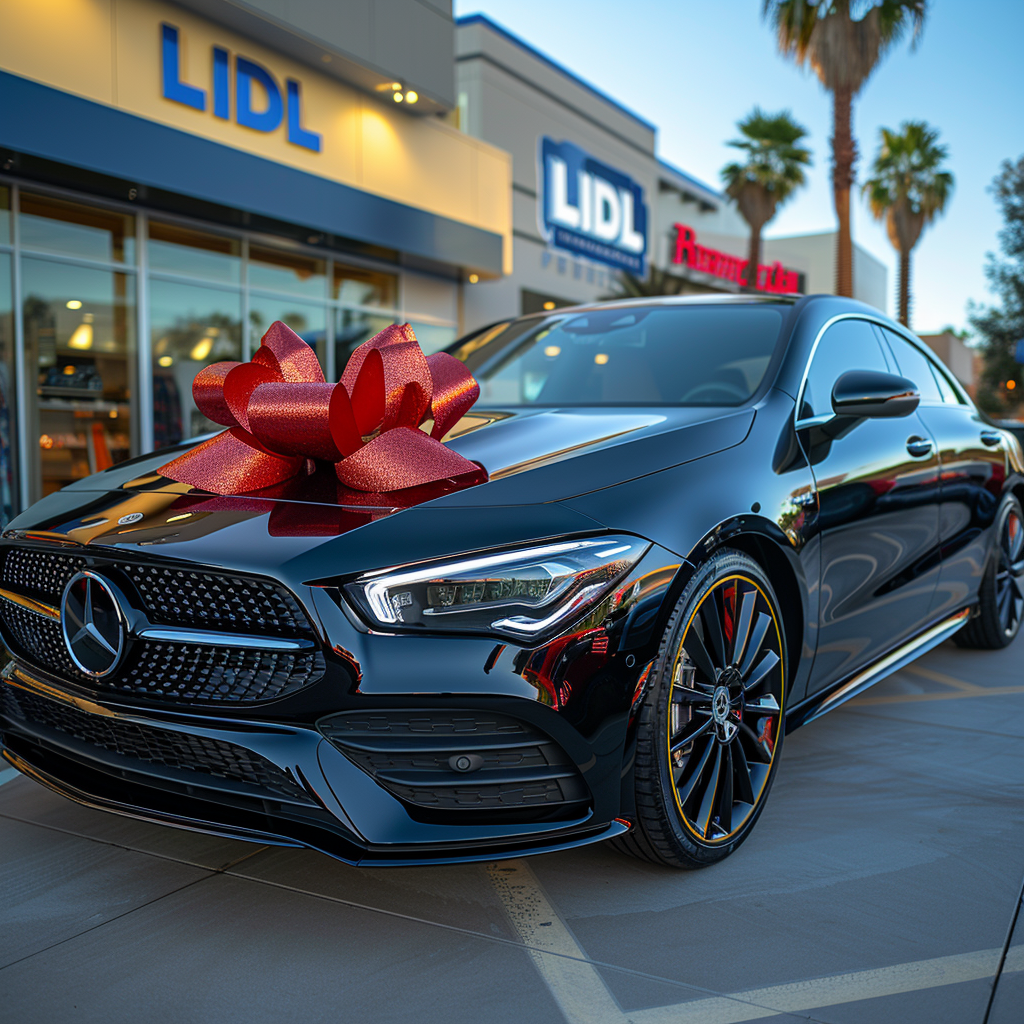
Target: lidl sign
<point x="590" y="209"/>
<point x="252" y="96"/>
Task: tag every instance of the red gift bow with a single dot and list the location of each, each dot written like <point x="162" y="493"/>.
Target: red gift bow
<point x="280" y="412"/>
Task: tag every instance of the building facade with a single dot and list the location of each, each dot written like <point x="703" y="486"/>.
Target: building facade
<point x="587" y="183"/>
<point x="174" y="178"/>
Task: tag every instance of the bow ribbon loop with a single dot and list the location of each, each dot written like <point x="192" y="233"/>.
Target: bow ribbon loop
<point x="280" y="413"/>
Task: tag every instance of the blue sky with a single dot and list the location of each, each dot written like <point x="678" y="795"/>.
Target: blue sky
<point x="694" y="69"/>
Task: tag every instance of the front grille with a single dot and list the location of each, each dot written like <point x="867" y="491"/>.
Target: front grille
<point x="181" y="751"/>
<point x="172" y="596"/>
<point x="165" y="670"/>
<point x="514" y="771"/>
<point x="40" y="573"/>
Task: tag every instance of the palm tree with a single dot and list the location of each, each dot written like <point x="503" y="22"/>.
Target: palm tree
<point x="843" y="51"/>
<point x="908" y="189"/>
<point x="771" y="173"/>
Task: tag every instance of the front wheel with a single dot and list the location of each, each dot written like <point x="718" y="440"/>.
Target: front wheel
<point x="711" y="727"/>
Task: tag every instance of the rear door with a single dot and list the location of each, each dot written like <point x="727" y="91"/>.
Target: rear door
<point x="878" y="500"/>
<point x="973" y="467"/>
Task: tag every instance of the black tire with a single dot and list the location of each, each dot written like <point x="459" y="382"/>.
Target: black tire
<point x="694" y="735"/>
<point x="1001" y="594"/>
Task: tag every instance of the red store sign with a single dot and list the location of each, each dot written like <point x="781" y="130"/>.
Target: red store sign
<point x="770" y="277"/>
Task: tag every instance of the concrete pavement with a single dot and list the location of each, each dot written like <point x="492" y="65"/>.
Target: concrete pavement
<point x="879" y="885"/>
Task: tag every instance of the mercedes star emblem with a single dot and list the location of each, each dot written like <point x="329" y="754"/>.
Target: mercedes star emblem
<point x="93" y="624"/>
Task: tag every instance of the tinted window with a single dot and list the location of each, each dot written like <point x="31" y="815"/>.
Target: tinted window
<point x="914" y="365"/>
<point x="644" y="355"/>
<point x="846" y="345"/>
<point x="949" y="396"/>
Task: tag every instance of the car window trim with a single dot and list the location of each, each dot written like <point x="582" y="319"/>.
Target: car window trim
<point x="935" y="366"/>
<point x="810" y="421"/>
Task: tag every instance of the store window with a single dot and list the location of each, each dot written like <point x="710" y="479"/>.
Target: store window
<point x="74" y="229"/>
<point x="191" y="326"/>
<point x="433" y="337"/>
<point x="351" y="328"/>
<point x="177" y="250"/>
<point x="8" y="447"/>
<point x="358" y="287"/>
<point x="287" y="272"/>
<point x="80" y="353"/>
<point x="5" y="215"/>
<point x="307" y="320"/>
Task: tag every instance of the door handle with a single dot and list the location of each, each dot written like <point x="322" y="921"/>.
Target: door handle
<point x="919" y="447"/>
<point x="992" y="438"/>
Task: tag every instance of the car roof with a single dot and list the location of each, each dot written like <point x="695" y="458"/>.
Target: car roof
<point x="669" y="300"/>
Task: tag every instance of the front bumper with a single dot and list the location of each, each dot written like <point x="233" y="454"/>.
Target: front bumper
<point x="267" y="782"/>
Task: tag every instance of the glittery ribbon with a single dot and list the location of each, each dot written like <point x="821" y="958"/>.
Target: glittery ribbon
<point x="280" y="413"/>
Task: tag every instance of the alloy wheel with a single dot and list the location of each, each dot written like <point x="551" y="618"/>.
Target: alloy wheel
<point x="725" y="708"/>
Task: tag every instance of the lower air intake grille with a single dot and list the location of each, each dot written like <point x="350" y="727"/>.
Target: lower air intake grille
<point x="464" y="766"/>
<point x="198" y="754"/>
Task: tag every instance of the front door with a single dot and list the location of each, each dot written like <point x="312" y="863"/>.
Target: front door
<point x="878" y="514"/>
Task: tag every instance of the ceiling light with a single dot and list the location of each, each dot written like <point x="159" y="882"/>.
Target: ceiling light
<point x="473" y="278"/>
<point x="398" y="97"/>
<point x="601" y="358"/>
<point x="74" y="304"/>
<point x="165" y="360"/>
<point x="396" y="85"/>
<point x="201" y="349"/>
<point x="412" y="96"/>
<point x="82" y="337"/>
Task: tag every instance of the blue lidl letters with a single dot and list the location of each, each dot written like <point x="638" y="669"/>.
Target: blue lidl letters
<point x="591" y="209"/>
<point x="261" y="113"/>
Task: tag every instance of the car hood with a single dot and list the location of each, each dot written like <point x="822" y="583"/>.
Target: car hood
<point x="535" y="459"/>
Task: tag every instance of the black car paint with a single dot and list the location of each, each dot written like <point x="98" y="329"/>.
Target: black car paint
<point x="688" y="480"/>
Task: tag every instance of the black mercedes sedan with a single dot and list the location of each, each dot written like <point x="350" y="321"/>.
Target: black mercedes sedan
<point x="690" y="525"/>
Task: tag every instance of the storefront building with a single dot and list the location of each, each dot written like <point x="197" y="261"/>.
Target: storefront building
<point x="591" y="198"/>
<point x="171" y="184"/>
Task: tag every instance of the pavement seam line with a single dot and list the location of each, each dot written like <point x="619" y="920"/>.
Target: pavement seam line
<point x="686" y="986"/>
<point x="837" y="989"/>
<point x="210" y="873"/>
<point x="109" y="920"/>
<point x="121" y="846"/>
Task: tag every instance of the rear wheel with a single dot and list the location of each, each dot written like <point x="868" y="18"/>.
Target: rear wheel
<point x="711" y="727"/>
<point x="1001" y="595"/>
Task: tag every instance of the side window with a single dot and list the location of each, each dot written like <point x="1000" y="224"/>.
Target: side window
<point x="949" y="396"/>
<point x="846" y="345"/>
<point x="914" y="365"/>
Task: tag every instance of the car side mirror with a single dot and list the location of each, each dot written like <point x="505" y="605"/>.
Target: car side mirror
<point x="868" y="394"/>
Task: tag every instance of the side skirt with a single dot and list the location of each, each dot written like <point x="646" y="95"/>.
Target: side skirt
<point x="821" y="703"/>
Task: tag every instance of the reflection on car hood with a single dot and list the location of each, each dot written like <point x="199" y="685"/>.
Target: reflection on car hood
<point x="536" y="459"/>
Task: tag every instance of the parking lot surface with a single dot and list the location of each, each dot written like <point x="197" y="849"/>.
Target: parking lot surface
<point x="880" y="885"/>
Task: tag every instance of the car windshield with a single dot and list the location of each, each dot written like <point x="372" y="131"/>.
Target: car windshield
<point x="637" y="355"/>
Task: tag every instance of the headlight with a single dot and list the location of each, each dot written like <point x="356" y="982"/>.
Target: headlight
<point x="522" y="595"/>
